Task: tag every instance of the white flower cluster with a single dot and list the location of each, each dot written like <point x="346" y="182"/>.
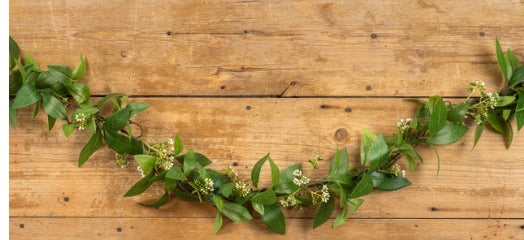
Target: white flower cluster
<point x="396" y="169"/>
<point x="242" y="189"/>
<point x="289" y="201"/>
<point x="81" y="120"/>
<point x="231" y="173"/>
<point x="478" y="84"/>
<point x="324" y="194"/>
<point x="141" y="171"/>
<point x="403" y="124"/>
<point x="207" y="187"/>
<point x="170" y="141"/>
<point x="121" y="160"/>
<point x="492" y="99"/>
<point x="300" y="179"/>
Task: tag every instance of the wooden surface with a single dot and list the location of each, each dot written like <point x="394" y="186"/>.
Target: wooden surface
<point x="212" y="71"/>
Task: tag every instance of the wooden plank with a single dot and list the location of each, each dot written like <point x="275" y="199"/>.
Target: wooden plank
<point x="201" y="228"/>
<point x="45" y="181"/>
<point x="288" y="48"/>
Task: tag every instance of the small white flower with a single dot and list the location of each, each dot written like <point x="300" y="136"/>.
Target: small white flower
<point x="324" y="196"/>
<point x="403" y="124"/>
<point x="170" y="141"/>
<point x="403" y="173"/>
<point x="242" y="189"/>
<point x="139" y="169"/>
<point x="208" y="186"/>
<point x="297" y="173"/>
<point x="300" y="179"/>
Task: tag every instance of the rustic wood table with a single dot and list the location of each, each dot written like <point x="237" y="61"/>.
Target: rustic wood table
<point x="238" y="79"/>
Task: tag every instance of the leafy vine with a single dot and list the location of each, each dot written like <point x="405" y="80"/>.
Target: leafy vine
<point x="185" y="176"/>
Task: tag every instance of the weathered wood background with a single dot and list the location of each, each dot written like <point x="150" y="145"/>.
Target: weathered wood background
<point x="237" y="79"/>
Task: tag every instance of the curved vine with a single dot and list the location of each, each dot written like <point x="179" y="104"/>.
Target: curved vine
<point x="186" y="176"/>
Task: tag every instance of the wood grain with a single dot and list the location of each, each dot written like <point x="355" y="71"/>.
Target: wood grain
<point x="482" y="183"/>
<point x="198" y="228"/>
<point x="273" y="48"/>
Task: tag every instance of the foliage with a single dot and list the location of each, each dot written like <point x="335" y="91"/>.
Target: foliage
<point x="186" y="176"/>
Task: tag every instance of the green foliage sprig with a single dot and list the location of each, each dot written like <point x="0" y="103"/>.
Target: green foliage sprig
<point x="186" y="176"/>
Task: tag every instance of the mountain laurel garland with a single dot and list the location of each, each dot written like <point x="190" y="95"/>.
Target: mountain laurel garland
<point x="185" y="175"/>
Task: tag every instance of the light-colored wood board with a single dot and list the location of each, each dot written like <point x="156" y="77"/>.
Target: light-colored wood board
<point x="288" y="48"/>
<point x="482" y="183"/>
<point x="202" y="228"/>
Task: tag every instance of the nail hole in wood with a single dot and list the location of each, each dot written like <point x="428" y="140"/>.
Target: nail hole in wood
<point x="21" y="225"/>
<point x="433" y="209"/>
<point x="347" y="110"/>
<point x="292" y="83"/>
<point x="119" y="229"/>
<point x="368" y="88"/>
<point x="223" y="87"/>
<point x="248" y="107"/>
<point x="123" y="54"/>
<point x="235" y="164"/>
<point x="66" y="199"/>
<point x="373" y="35"/>
<point x="481" y="34"/>
<point x="169" y="33"/>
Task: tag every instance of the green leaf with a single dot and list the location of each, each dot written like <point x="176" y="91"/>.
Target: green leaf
<point x="354" y="203"/>
<point x="219" y="203"/>
<point x="14" y="52"/>
<point x="226" y="189"/>
<point x="22" y="71"/>
<point x="513" y="60"/>
<point x="504" y="67"/>
<point x="53" y="107"/>
<point x="504" y="101"/>
<point x="190" y="162"/>
<point x="117" y="120"/>
<point x="438" y="114"/>
<point x="388" y="182"/>
<point x="29" y="60"/>
<point x="275" y="173"/>
<point x="259" y="208"/>
<point x="79" y="91"/>
<point x="26" y="96"/>
<point x="179" y="146"/>
<point x="274" y="219"/>
<point x="13" y="115"/>
<point x="341" y="218"/>
<point x="136" y="107"/>
<point x="108" y="97"/>
<point x="184" y="196"/>
<point x="478" y="132"/>
<point x="15" y="82"/>
<point x="339" y="164"/>
<point x="255" y="172"/>
<point x="495" y="122"/>
<point x="517" y="77"/>
<point x="50" y="122"/>
<point x="286" y="185"/>
<point x="36" y="108"/>
<point x="378" y="153"/>
<point x="146" y="162"/>
<point x="64" y="70"/>
<point x="123" y="144"/>
<point x="175" y="173"/>
<point x="236" y="212"/>
<point x="324" y="211"/>
<point x="508" y="134"/>
<point x="218" y="223"/>
<point x="363" y="187"/>
<point x="80" y="68"/>
<point x="140" y="186"/>
<point x="68" y="129"/>
<point x="458" y="112"/>
<point x="267" y="197"/>
<point x="157" y="203"/>
<point x="368" y="138"/>
<point x="94" y="143"/>
<point x="450" y="133"/>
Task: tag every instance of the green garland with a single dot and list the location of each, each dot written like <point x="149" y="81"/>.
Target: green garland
<point x="185" y="176"/>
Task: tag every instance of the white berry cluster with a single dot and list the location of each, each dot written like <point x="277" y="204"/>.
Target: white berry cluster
<point x="324" y="194"/>
<point x="396" y="169"/>
<point x="300" y="179"/>
<point x="242" y="189"/>
<point x="81" y="120"/>
<point x="207" y="187"/>
<point x="122" y="160"/>
<point x="403" y="124"/>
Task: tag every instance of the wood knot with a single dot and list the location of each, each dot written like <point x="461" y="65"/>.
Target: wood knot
<point x="341" y="134"/>
<point x="373" y="35"/>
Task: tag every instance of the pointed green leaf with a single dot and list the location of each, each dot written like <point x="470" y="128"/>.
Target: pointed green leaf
<point x="146" y="162"/>
<point x="508" y="134"/>
<point x="458" y="112"/>
<point x="275" y="173"/>
<point x="190" y="162"/>
<point x="504" y="67"/>
<point x="267" y="197"/>
<point x="495" y="122"/>
<point x="218" y="223"/>
<point x="378" y="153"/>
<point x="175" y="173"/>
<point x="117" y="120"/>
<point x="438" y="114"/>
<point x="274" y="219"/>
<point x="339" y="164"/>
<point x="354" y="203"/>
<point x="53" y="107"/>
<point x="517" y="77"/>
<point x="79" y="91"/>
<point x="341" y="218"/>
<point x="68" y="129"/>
<point x="179" y="146"/>
<point x="324" y="211"/>
<point x="123" y="144"/>
<point x="80" y="68"/>
<point x="94" y="143"/>
<point x="450" y="133"/>
<point x="226" y="189"/>
<point x="13" y="115"/>
<point x="255" y="172"/>
<point x="159" y="202"/>
<point x="368" y="138"/>
<point x="259" y="208"/>
<point x="388" y="182"/>
<point x="26" y="96"/>
<point x="478" y="133"/>
<point x="363" y="187"/>
<point x="286" y="185"/>
<point x="135" y="108"/>
<point x="141" y="186"/>
<point x="236" y="212"/>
